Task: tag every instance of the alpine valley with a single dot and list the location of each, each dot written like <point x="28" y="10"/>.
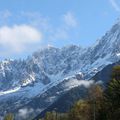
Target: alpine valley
<point x="28" y="87"/>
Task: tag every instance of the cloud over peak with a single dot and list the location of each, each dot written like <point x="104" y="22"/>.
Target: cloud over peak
<point x="18" y="37"/>
<point x="22" y="33"/>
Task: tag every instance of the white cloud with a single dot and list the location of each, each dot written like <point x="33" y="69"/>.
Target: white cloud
<point x="26" y="31"/>
<point x="35" y="19"/>
<point x="115" y="5"/>
<point x="25" y="113"/>
<point x="70" y="19"/>
<point x="63" y="31"/>
<point x="59" y="34"/>
<point x="5" y="14"/>
<point x="17" y="38"/>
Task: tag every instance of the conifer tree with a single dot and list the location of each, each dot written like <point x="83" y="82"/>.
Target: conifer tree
<point x="112" y="95"/>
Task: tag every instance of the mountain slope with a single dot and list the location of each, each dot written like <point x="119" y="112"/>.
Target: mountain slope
<point x="64" y="102"/>
<point x="49" y="72"/>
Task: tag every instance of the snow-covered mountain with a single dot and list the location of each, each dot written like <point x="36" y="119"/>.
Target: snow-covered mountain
<point x="51" y="71"/>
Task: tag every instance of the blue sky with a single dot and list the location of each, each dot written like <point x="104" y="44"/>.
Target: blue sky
<point x="27" y="25"/>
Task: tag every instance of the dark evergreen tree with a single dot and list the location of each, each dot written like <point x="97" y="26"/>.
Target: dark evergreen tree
<point x="112" y="95"/>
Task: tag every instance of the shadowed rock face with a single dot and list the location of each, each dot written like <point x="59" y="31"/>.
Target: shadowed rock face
<point x="105" y="74"/>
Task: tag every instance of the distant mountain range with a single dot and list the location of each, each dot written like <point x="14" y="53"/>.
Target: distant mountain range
<point x="28" y="87"/>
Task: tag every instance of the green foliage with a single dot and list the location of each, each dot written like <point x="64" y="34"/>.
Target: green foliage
<point x="55" y="116"/>
<point x="116" y="72"/>
<point x="95" y="98"/>
<point x="112" y="95"/>
<point x="48" y="116"/>
<point x="9" y="117"/>
<point x="80" y="111"/>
